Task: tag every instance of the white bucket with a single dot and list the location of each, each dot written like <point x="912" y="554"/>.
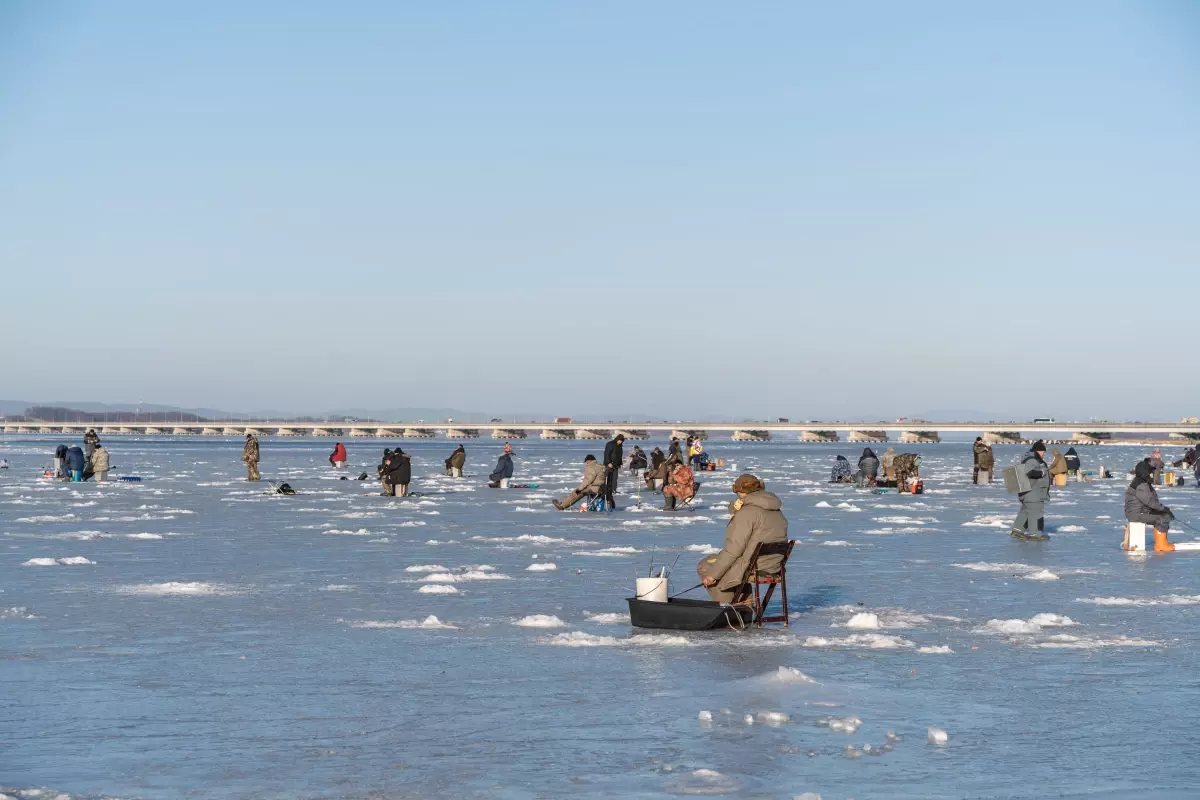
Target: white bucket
<point x="652" y="589"/>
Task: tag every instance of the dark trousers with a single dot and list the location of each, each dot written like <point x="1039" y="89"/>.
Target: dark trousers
<point x="610" y="485"/>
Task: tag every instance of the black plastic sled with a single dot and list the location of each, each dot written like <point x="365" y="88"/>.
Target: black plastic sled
<point x="679" y="614"/>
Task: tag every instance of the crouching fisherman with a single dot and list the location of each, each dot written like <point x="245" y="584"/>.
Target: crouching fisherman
<point x="593" y="483"/>
<point x="100" y="464"/>
<point x="504" y="469"/>
<point x="338" y="457"/>
<point x="756" y="518"/>
<point x="456" y="462"/>
<point x="1142" y="505"/>
<point x="1031" y="519"/>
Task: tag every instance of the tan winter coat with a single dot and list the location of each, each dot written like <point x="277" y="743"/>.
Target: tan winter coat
<point x="1058" y="465"/>
<point x="100" y="460"/>
<point x="593" y="478"/>
<point x="758" y="520"/>
<point x="250" y="452"/>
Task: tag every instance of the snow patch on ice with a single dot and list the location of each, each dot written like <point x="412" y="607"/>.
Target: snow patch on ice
<point x="545" y="566"/>
<point x="429" y="623"/>
<point x="540" y="621"/>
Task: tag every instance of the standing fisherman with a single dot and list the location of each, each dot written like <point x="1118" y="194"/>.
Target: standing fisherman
<point x="1030" y="522"/>
<point x="613" y="456"/>
<point x="250" y="456"/>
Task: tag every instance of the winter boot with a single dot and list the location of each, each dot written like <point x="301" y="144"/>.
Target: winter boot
<point x="669" y="502"/>
<point x="1161" y="545"/>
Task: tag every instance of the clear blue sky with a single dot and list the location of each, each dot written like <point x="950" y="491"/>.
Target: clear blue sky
<point x="680" y="208"/>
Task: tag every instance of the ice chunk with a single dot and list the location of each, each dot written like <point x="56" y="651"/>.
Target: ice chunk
<point x="540" y="621"/>
<point x="704" y="716"/>
<point x="935" y="649"/>
<point x="865" y="620"/>
<point x="545" y="566"/>
<point x="772" y="717"/>
<point x="438" y="588"/>
<point x="425" y="568"/>
<point x="608" y="619"/>
<point x="937" y="736"/>
<point x="1041" y="575"/>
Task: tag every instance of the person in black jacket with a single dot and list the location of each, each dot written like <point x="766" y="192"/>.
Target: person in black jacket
<point x="60" y="458"/>
<point x="637" y="461"/>
<point x="399" y="473"/>
<point x="613" y="456"/>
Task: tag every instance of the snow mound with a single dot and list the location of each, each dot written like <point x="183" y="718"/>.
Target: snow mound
<point x="540" y="621"/>
<point x="546" y="566"/>
<point x="68" y="561"/>
<point x="438" y="588"/>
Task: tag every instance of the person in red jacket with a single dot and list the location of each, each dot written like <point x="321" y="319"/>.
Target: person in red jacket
<point x="338" y="456"/>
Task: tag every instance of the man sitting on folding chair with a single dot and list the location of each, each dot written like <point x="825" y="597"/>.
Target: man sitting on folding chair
<point x="756" y="519"/>
<point x="593" y="483"/>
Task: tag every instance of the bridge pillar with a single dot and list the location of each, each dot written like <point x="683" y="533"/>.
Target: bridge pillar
<point x="417" y="433"/>
<point x="384" y="433"/>
<point x="154" y="431"/>
<point x="1085" y="437"/>
<point x="1002" y="437"/>
<point x="462" y="433"/>
<point x="550" y="433"/>
<point x="681" y="435"/>
<point x="361" y="432"/>
<point x="818" y="436"/>
<point x="867" y="436"/>
<point x="182" y="431"/>
<point x="920" y="437"/>
<point x="631" y="433"/>
<point x="1185" y="437"/>
<point x="587" y="433"/>
<point x="751" y="436"/>
<point x="508" y="433"/>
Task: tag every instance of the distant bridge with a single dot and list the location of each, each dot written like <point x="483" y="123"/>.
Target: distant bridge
<point x="906" y="431"/>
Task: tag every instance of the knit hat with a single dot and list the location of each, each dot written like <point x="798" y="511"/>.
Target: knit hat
<point x="747" y="484"/>
<point x="1039" y="446"/>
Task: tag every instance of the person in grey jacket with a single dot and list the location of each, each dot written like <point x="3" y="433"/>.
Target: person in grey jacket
<point x="1030" y="522"/>
<point x="1142" y="505"/>
<point x="868" y="468"/>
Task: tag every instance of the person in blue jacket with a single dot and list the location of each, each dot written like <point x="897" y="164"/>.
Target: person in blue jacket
<point x="504" y="467"/>
<point x="76" y="463"/>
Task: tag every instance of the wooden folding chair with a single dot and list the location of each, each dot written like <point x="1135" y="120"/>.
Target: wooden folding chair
<point x="757" y="579"/>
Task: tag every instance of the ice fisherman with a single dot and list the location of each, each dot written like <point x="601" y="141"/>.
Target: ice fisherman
<point x="250" y="456"/>
<point x="90" y="440"/>
<point x="100" y="464"/>
<point x="756" y="518"/>
<point x="338" y="457"/>
<point x="594" y="482"/>
<point x="841" y="472"/>
<point x="680" y="485"/>
<point x="456" y="462"/>
<point x="868" y="467"/>
<point x="504" y="467"/>
<point x="76" y="462"/>
<point x="1030" y="522"/>
<point x="1142" y="505"/>
<point x="613" y="456"/>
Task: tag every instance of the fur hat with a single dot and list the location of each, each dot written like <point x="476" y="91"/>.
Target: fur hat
<point x="747" y="484"/>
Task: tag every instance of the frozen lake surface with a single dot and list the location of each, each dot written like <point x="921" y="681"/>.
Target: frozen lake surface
<point x="194" y="637"/>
